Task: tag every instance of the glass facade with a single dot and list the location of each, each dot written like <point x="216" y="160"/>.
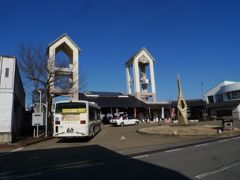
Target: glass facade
<point x="219" y="98"/>
<point x="233" y="95"/>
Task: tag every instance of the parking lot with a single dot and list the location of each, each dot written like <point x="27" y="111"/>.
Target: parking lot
<point x="124" y="140"/>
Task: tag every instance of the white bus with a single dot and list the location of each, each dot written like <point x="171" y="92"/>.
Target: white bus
<point x="76" y="119"/>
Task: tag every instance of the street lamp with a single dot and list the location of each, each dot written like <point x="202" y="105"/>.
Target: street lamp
<point x="46" y="113"/>
<point x="40" y="100"/>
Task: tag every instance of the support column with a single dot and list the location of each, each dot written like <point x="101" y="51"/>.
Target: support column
<point x="153" y="81"/>
<point x="75" y="78"/>
<point x="136" y="79"/>
<point x="135" y="113"/>
<point x="162" y="114"/>
<point x="128" y="79"/>
<point x="51" y="65"/>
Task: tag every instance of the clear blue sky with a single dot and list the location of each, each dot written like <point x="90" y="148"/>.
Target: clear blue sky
<point x="199" y="39"/>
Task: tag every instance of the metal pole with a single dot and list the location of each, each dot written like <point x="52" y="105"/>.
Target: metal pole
<point x="34" y="132"/>
<point x="40" y="100"/>
<point x="37" y="131"/>
<point x="40" y="92"/>
<point x="46" y="121"/>
<point x="202" y="90"/>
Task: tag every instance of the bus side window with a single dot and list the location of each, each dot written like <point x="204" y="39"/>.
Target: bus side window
<point x="91" y="114"/>
<point x="94" y="113"/>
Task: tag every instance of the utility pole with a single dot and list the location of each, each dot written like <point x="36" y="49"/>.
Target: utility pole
<point x="202" y="90"/>
<point x="40" y="109"/>
<point x="46" y="120"/>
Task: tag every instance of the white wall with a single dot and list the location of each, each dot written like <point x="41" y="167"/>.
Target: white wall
<point x="216" y="90"/>
<point x="236" y="112"/>
<point x="7" y="83"/>
<point x="6" y="105"/>
<point x="6" y="93"/>
<point x="6" y="97"/>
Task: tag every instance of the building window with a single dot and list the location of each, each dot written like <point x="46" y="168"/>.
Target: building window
<point x="210" y="99"/>
<point x="7" y="72"/>
<point x="229" y="96"/>
<point x="233" y="95"/>
<point x="219" y="98"/>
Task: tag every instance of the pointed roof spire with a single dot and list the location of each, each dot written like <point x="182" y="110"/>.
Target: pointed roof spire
<point x="136" y="54"/>
<point x="62" y="36"/>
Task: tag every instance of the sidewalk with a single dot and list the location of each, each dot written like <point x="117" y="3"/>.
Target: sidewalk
<point x="23" y="141"/>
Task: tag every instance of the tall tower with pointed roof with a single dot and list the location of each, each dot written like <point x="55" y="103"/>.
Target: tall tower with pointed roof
<point x="140" y="76"/>
<point x="71" y="50"/>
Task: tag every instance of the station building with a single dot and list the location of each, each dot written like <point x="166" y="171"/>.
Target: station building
<point x="224" y="99"/>
<point x="114" y="102"/>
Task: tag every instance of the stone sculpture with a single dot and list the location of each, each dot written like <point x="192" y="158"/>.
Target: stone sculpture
<point x="182" y="105"/>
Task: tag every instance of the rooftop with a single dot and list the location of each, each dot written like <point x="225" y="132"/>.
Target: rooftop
<point x="136" y="54"/>
<point x="62" y="36"/>
<point x="112" y="99"/>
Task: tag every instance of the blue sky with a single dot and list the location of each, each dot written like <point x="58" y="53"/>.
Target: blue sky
<point x="199" y="39"/>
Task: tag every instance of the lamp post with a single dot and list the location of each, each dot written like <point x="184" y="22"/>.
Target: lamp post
<point x="46" y="113"/>
<point x="40" y="102"/>
<point x="46" y="107"/>
<point x="46" y="116"/>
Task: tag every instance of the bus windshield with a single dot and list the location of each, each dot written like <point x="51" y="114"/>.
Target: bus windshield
<point x="72" y="107"/>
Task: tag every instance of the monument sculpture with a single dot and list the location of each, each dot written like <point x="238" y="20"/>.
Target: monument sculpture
<point x="182" y="105"/>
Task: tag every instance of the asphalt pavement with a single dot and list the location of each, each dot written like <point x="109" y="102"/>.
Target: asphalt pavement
<point x="215" y="160"/>
<point x="122" y="153"/>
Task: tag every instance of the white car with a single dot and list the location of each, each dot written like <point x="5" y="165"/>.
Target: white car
<point x="122" y="122"/>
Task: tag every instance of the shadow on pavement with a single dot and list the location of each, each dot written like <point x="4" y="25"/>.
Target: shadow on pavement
<point x="86" y="162"/>
<point x="74" y="140"/>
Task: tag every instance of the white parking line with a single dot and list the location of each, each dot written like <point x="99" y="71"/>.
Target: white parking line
<point x="139" y="157"/>
<point x="22" y="176"/>
<point x="15" y="150"/>
<point x="199" y="145"/>
<point x="223" y="140"/>
<point x="173" y="150"/>
<point x="203" y="175"/>
<point x="236" y="137"/>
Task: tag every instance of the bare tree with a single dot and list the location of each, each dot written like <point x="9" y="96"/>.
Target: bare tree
<point x="38" y="73"/>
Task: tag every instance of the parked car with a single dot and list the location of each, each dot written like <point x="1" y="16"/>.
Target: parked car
<point x="121" y="121"/>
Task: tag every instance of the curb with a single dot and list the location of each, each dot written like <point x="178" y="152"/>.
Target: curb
<point x="35" y="142"/>
<point x="223" y="134"/>
<point x="230" y="134"/>
<point x="24" y="144"/>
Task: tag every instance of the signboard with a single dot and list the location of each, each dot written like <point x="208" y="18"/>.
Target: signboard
<point x="71" y="117"/>
<point x="37" y="119"/>
<point x="75" y="110"/>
